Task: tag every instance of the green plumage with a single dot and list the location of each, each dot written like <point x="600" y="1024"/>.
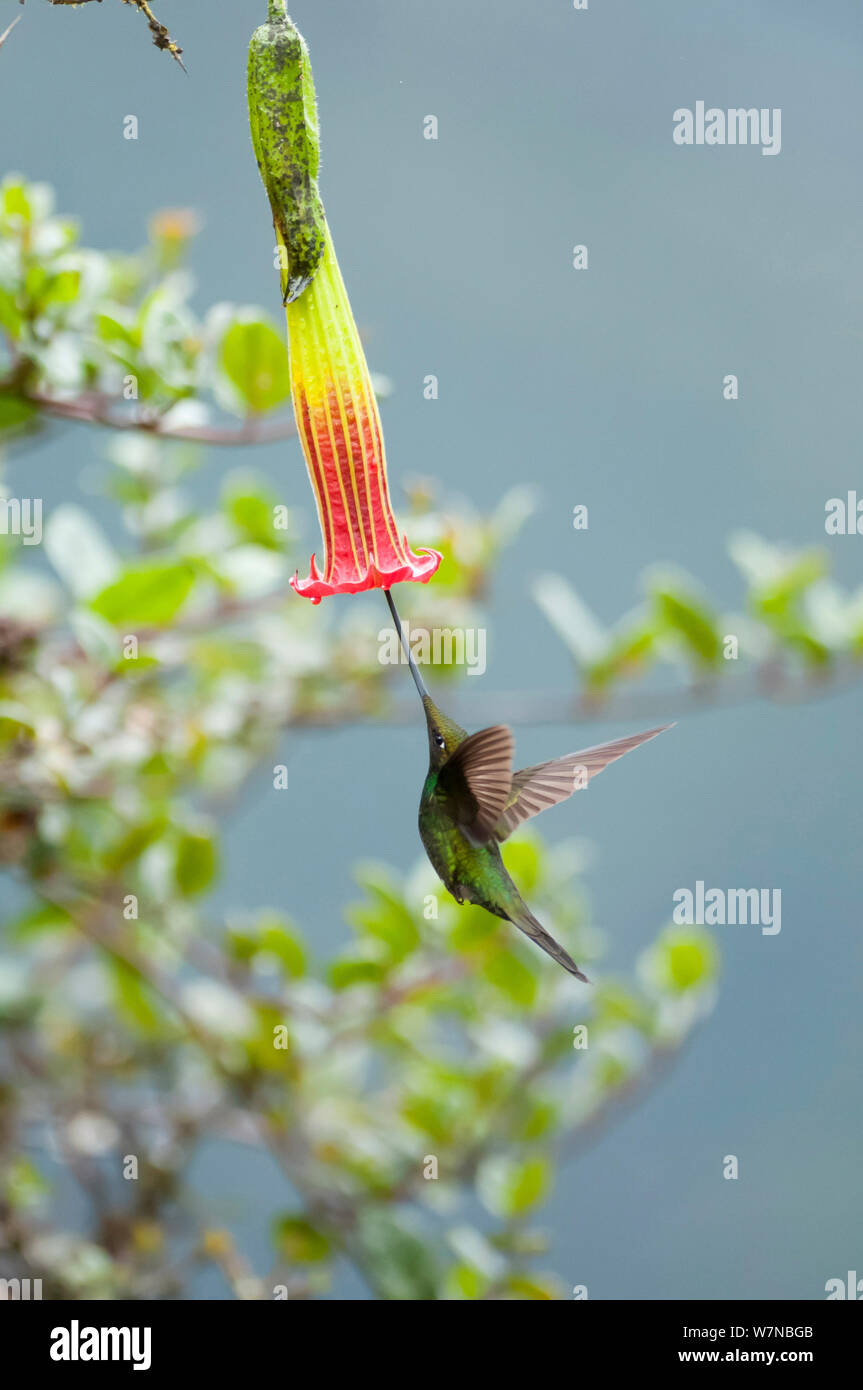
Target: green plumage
<point x="472" y="800"/>
<point x="472" y="871"/>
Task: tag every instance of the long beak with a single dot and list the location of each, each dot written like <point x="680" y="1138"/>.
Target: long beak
<point x="418" y="680"/>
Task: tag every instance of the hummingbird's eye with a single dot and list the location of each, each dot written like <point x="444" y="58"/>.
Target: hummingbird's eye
<point x="440" y="740"/>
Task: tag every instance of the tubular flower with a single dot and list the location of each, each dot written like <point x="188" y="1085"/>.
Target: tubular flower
<point x="340" y="429"/>
<point x="334" y="402"/>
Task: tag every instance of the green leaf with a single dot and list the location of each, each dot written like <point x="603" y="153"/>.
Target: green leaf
<point x="464" y="1282"/>
<point x="15" y="413"/>
<point x="538" y="1118"/>
<point x="512" y="977"/>
<point x="41" y="919"/>
<point x="348" y="971"/>
<point x="254" y="358"/>
<point x="147" y="594"/>
<point x="528" y="1185"/>
<point x="22" y="1185"/>
<point x="532" y="1287"/>
<point x="15" y="722"/>
<point x="10" y="316"/>
<point x="509" y="1188"/>
<point x="402" y="1264"/>
<point x="276" y="939"/>
<point x="473" y="927"/>
<point x="196" y="863"/>
<point x="298" y="1241"/>
<point x="691" y="621"/>
<point x="62" y="288"/>
<point x="252" y="515"/>
<point x="627" y="656"/>
<point x="80" y="551"/>
<point x="132" y="844"/>
<point x="114" y="332"/>
<point x="15" y="203"/>
<point x="523" y="859"/>
<point x="386" y="918"/>
<point x="135" y="1001"/>
<point x="571" y="619"/>
<point x="682" y="959"/>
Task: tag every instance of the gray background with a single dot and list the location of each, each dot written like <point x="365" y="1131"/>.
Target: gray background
<point x="605" y="387"/>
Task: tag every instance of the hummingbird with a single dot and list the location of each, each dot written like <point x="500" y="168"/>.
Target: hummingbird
<point x="472" y="801"/>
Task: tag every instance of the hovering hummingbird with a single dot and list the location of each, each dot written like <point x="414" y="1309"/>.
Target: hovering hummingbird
<point x="472" y="800"/>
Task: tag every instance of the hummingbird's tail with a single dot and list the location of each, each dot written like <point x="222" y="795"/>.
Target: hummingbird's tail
<point x="524" y="919"/>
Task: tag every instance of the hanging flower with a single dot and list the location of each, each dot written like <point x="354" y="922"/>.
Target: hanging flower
<point x="334" y="402"/>
<point x="340" y="429"/>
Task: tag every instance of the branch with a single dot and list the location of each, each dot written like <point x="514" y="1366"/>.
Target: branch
<point x="91" y="410"/>
<point x="161" y="38"/>
<point x="587" y="1131"/>
<point x="7" y="31"/>
<point x="542" y="707"/>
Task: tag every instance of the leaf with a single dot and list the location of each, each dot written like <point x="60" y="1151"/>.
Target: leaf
<point x="62" y="288"/>
<point x="402" y="1264"/>
<point x="10" y="316"/>
<point x="133" y="843"/>
<point x="114" y="332"/>
<point x="627" y="655"/>
<point x="23" y="1186"/>
<point x="512" y="977"/>
<point x="15" y="722"/>
<point x="41" y="919"/>
<point x="254" y="358"/>
<point x="386" y="918"/>
<point x="253" y="517"/>
<point x="532" y="1287"/>
<point x="509" y="1188"/>
<point x="147" y="594"/>
<point x="465" y="1282"/>
<point x="196" y="863"/>
<point x="473" y="927"/>
<point x="133" y="998"/>
<point x="79" y="551"/>
<point x="690" y="620"/>
<point x="523" y="860"/>
<point x="348" y="971"/>
<point x="298" y="1241"/>
<point x="682" y="959"/>
<point x="279" y="941"/>
<point x="528" y="1186"/>
<point x="571" y="619"/>
<point x="15" y="203"/>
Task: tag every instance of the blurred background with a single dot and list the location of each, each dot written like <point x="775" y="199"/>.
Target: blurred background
<point x="601" y="387"/>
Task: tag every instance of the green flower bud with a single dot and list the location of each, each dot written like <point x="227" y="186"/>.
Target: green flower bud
<point x="283" y="116"/>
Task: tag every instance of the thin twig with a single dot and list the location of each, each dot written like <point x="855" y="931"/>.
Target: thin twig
<point x="161" y="38"/>
<point x="89" y="410"/>
<point x="6" y="32"/>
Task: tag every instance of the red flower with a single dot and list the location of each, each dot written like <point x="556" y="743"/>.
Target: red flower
<point x="340" y="430"/>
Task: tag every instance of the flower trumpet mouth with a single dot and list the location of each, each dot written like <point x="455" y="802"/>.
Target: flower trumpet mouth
<point x="334" y="402"/>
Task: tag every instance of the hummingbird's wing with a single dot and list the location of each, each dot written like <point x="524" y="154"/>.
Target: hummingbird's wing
<point x="535" y="788"/>
<point x="477" y="781"/>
